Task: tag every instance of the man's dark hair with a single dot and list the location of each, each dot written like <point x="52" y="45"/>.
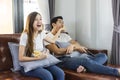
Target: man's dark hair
<point x="54" y="20"/>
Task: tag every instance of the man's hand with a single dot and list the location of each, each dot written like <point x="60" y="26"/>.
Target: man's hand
<point x="78" y="47"/>
<point x="70" y="49"/>
<point x="82" y="49"/>
<point x="61" y="30"/>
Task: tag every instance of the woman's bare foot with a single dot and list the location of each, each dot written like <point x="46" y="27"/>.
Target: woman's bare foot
<point x="81" y="69"/>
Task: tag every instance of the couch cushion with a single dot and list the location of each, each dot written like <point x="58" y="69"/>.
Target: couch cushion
<point x="9" y="75"/>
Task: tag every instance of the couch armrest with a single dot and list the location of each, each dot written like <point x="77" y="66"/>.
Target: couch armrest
<point x="95" y="51"/>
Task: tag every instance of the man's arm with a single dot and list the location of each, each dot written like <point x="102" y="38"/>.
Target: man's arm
<point x="77" y="46"/>
<point x="57" y="51"/>
<point x="52" y="40"/>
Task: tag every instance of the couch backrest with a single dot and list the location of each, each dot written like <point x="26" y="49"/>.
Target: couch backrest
<point x="5" y="55"/>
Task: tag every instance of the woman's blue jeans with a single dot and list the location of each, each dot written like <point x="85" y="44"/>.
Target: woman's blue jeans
<point x="92" y="64"/>
<point x="48" y="73"/>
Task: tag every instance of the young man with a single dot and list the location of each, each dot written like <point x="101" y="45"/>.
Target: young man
<point x="72" y="56"/>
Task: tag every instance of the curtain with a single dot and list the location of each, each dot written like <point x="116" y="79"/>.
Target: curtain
<point x="115" y="53"/>
<point x="51" y="8"/>
<point x="18" y="18"/>
<point x="51" y="12"/>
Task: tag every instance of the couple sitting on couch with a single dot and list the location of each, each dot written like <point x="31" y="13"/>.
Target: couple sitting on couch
<point x="67" y="50"/>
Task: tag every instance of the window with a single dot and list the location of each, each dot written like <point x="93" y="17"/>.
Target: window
<point x="13" y="14"/>
<point x="6" y="25"/>
<point x="30" y="6"/>
<point x="40" y="6"/>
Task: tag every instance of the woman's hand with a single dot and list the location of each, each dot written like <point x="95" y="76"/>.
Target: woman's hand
<point x="46" y="52"/>
<point x="42" y="56"/>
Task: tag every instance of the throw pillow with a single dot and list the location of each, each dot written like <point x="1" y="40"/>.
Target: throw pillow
<point x="14" y="48"/>
<point x="30" y="65"/>
<point x="62" y="44"/>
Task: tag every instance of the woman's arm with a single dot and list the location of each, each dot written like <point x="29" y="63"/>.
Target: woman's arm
<point x="25" y="58"/>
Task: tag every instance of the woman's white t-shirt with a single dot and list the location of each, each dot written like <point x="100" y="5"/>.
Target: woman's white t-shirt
<point x="38" y="41"/>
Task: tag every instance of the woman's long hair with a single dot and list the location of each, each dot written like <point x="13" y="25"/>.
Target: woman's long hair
<point x="29" y="30"/>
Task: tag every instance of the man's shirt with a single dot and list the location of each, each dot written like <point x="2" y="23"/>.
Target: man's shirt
<point x="63" y="37"/>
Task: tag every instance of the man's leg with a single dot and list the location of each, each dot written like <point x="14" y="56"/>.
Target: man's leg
<point x="90" y="65"/>
<point x="100" y="58"/>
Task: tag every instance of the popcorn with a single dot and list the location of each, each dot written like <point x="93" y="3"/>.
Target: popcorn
<point x="36" y="53"/>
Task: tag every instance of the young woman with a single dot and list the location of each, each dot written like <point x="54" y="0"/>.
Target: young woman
<point x="32" y="40"/>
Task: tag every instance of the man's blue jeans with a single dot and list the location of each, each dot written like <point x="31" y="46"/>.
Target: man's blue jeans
<point x="92" y="64"/>
<point x="48" y="73"/>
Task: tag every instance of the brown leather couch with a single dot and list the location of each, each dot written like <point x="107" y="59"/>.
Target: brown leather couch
<point x="6" y="64"/>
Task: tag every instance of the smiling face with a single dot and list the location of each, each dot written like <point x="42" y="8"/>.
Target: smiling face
<point x="37" y="24"/>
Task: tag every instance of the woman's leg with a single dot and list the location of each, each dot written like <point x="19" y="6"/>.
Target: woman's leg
<point x="90" y="65"/>
<point x="56" y="72"/>
<point x="40" y="73"/>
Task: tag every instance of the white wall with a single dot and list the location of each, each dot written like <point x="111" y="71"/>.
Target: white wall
<point x="105" y="24"/>
<point x="83" y="22"/>
<point x="67" y="9"/>
<point x="94" y="23"/>
<point x="44" y="10"/>
<point x="88" y="21"/>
